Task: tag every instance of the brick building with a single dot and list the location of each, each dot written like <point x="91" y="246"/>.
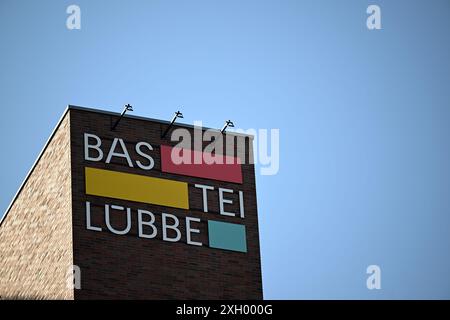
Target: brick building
<point x="136" y="226"/>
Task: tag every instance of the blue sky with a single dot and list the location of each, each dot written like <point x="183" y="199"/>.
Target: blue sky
<point x="363" y="117"/>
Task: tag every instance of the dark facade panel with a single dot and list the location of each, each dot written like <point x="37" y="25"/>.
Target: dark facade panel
<point x="126" y="265"/>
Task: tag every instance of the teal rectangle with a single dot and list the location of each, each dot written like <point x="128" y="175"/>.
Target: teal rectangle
<point x="228" y="236"/>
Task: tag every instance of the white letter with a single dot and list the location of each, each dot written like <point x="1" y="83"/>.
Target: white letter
<point x="274" y="159"/>
<point x="74" y="20"/>
<point x="222" y="201"/>
<point x="229" y="149"/>
<point x="88" y="218"/>
<point x="147" y="223"/>
<point x="374" y="280"/>
<point x="213" y="151"/>
<point x="181" y="152"/>
<point x="125" y="154"/>
<point x="73" y="277"/>
<point x="253" y="145"/>
<point x="198" y="142"/>
<point x="241" y="203"/>
<point x="189" y="230"/>
<point x="374" y="20"/>
<point x="108" y="224"/>
<point x="88" y="146"/>
<point x="205" y="195"/>
<point x="148" y="157"/>
<point x="173" y="227"/>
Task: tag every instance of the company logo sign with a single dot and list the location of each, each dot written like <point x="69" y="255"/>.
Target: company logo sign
<point x="164" y="192"/>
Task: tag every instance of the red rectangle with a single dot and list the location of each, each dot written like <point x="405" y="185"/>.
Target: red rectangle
<point x="224" y="171"/>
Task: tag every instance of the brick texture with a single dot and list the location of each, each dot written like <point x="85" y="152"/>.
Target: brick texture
<point x="36" y="235"/>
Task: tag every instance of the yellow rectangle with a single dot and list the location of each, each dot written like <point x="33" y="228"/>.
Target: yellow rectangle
<point x="133" y="187"/>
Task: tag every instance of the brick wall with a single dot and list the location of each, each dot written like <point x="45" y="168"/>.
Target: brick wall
<point x="36" y="235"/>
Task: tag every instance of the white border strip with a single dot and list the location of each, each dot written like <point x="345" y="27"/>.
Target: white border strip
<point x="34" y="165"/>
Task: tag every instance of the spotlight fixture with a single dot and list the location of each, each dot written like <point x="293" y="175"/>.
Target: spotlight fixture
<point x="176" y="115"/>
<point x="126" y="108"/>
<point x="227" y="124"/>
